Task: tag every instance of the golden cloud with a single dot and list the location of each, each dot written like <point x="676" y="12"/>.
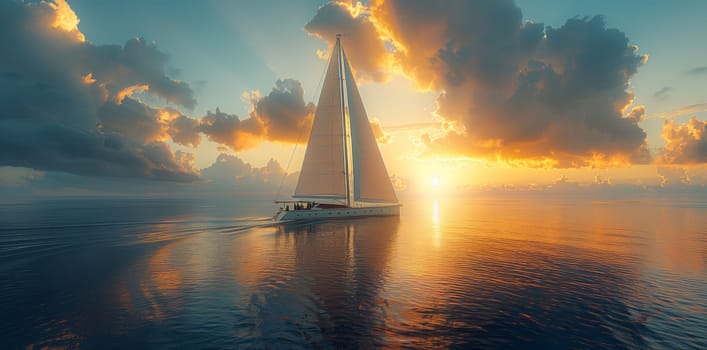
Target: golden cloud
<point x="516" y="91"/>
<point x="363" y="43"/>
<point x="65" y="18"/>
<point x="381" y="136"/>
<point x="686" y="143"/>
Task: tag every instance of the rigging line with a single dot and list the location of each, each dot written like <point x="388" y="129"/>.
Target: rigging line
<point x="301" y="131"/>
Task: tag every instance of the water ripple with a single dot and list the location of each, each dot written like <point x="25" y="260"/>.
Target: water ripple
<point x="470" y="274"/>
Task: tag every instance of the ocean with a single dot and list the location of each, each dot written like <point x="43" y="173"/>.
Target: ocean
<point x="510" y="271"/>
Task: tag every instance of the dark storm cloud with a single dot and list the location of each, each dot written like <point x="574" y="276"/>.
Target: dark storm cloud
<point x="365" y="50"/>
<point x="514" y="90"/>
<point x="63" y="105"/>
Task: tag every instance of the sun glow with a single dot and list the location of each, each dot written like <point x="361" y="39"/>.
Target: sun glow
<point x="435" y="223"/>
<point x="438" y="177"/>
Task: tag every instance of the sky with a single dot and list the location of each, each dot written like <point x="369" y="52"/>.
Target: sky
<point x="213" y="96"/>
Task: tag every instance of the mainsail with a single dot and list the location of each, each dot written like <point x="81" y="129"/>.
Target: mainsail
<point x="323" y="173"/>
<point x="342" y="160"/>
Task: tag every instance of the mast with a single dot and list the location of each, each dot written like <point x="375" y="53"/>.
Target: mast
<point x="344" y="122"/>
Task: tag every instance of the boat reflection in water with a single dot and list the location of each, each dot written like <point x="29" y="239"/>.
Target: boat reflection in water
<point x="324" y="284"/>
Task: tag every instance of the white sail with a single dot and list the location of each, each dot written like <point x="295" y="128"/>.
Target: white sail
<point x="371" y="180"/>
<point x="324" y="170"/>
<point x="322" y="173"/>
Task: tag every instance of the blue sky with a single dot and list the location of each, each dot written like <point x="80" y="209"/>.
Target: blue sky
<point x="223" y="48"/>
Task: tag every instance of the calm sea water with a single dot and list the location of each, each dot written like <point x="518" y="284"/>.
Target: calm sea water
<point x="467" y="273"/>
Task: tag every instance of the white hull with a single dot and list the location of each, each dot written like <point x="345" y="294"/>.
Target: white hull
<point x="310" y="214"/>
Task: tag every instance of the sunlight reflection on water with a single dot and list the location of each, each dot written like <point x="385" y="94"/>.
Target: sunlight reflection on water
<point x="497" y="272"/>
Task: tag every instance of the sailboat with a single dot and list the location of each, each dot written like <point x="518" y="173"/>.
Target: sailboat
<point x="343" y="174"/>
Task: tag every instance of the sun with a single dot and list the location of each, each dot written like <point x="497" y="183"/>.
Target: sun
<point x="435" y="181"/>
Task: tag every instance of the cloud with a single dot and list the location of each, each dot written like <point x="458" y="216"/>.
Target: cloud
<point x="399" y="184"/>
<point x="600" y="181"/>
<point x="16" y="177"/>
<point x="132" y="119"/>
<point x="637" y="113"/>
<point x="414" y="127"/>
<point x="232" y="173"/>
<point x="672" y="176"/>
<point x="361" y="40"/>
<point x="229" y="130"/>
<point x="697" y="70"/>
<point x="281" y="116"/>
<point x="66" y="103"/>
<point x="686" y="143"/>
<point x="512" y="90"/>
<point x="228" y="175"/>
<point x="564" y="183"/>
<point x="691" y="109"/>
<point x="663" y="93"/>
<point x="283" y="112"/>
<point x="65" y="19"/>
<point x="381" y="136"/>
<point x="138" y="64"/>
<point x="183" y="129"/>
<point x="227" y="168"/>
<point x="69" y="105"/>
